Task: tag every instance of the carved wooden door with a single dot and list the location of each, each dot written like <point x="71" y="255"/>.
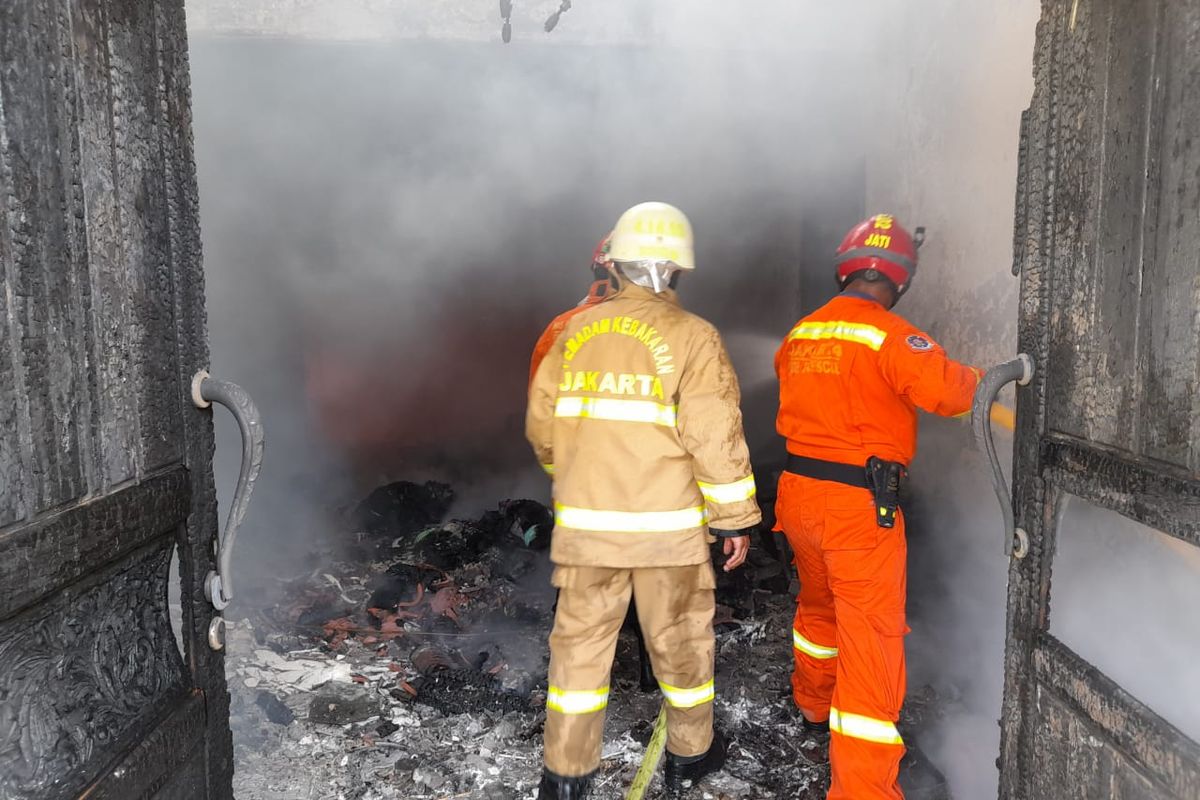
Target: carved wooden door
<point x="105" y="464"/>
<point x="1108" y="236"/>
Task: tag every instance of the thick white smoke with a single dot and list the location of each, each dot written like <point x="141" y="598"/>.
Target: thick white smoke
<point x="388" y="224"/>
<point x="1121" y="597"/>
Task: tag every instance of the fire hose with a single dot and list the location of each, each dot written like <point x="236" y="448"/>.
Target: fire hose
<point x="218" y="585"/>
<point x="1020" y="369"/>
<point x="653" y="754"/>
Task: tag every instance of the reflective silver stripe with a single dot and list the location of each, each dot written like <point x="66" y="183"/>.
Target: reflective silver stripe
<point x="616" y="410"/>
<point x="878" y="252"/>
<point x="812" y="648"/>
<point x="729" y="492"/>
<point x="869" y="729"/>
<point x="688" y="698"/>
<point x="869" y="335"/>
<point x="588" y="701"/>
<point x="590" y="519"/>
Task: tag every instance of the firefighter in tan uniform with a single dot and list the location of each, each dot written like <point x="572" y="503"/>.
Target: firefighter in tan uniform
<point x="635" y="412"/>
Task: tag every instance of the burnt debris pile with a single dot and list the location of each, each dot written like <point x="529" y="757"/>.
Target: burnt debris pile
<point x="410" y="662"/>
<point x="435" y="598"/>
<point x="406" y="520"/>
<point x="414" y="649"/>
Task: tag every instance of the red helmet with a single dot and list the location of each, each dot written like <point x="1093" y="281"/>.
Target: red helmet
<point x="600" y="254"/>
<point x="879" y="247"/>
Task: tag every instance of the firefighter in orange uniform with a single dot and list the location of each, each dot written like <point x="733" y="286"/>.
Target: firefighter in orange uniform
<point x="635" y="412"/>
<point x="598" y="292"/>
<point x="851" y="378"/>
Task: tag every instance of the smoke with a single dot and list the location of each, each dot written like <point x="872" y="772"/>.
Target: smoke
<point x="1119" y="598"/>
<point x="957" y="600"/>
<point x="388" y="225"/>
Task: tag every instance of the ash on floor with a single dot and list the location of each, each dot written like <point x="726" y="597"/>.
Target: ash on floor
<point x="415" y="670"/>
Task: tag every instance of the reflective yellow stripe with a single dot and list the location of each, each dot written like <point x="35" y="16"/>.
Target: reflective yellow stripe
<point x="590" y="519"/>
<point x="870" y="729"/>
<point x="616" y="410"/>
<point x="549" y="468"/>
<point x="812" y="648"/>
<point x="581" y="702"/>
<point x="728" y="492"/>
<point x="869" y="335"/>
<point x="688" y="698"/>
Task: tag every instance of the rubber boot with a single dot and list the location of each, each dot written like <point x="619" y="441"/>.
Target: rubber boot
<point x="791" y="712"/>
<point x="557" y="787"/>
<point x="682" y="773"/>
<point x="815" y="740"/>
<point x="814" y="728"/>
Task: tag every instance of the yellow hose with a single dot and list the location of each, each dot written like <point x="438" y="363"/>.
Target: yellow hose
<point x="654" y="751"/>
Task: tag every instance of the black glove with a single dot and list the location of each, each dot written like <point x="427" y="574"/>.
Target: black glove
<point x="722" y="534"/>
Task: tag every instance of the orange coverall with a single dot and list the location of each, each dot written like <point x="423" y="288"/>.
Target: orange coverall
<point x="851" y="378"/>
<point x="597" y="293"/>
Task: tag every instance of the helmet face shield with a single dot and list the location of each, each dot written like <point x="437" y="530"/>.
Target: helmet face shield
<point x="653" y="275"/>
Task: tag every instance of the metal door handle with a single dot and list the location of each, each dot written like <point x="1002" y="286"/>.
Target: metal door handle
<point x="1020" y="369"/>
<point x="218" y="586"/>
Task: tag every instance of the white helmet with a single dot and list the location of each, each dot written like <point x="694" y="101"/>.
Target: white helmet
<point x="650" y="243"/>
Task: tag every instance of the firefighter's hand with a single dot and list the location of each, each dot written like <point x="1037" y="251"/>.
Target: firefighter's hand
<point x="736" y="548"/>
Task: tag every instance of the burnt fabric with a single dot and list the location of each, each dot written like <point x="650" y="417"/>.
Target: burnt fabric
<point x="635" y="413"/>
<point x="852" y="376"/>
<point x="675" y="609"/>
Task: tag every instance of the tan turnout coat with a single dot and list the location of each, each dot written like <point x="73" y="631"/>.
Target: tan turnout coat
<point x="635" y="413"/>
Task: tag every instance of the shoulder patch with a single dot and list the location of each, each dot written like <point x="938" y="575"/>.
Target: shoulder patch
<point x="918" y="344"/>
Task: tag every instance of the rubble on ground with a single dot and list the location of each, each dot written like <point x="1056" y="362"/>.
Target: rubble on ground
<point x="412" y="664"/>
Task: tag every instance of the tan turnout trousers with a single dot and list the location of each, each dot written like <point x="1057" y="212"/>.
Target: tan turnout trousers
<point x="675" y="608"/>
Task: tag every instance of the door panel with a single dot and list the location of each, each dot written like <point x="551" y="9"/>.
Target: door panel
<point x="1107" y="246"/>
<point x="105" y="465"/>
<point x="87" y="673"/>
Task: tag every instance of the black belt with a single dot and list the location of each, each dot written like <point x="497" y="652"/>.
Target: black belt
<point x="828" y="471"/>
